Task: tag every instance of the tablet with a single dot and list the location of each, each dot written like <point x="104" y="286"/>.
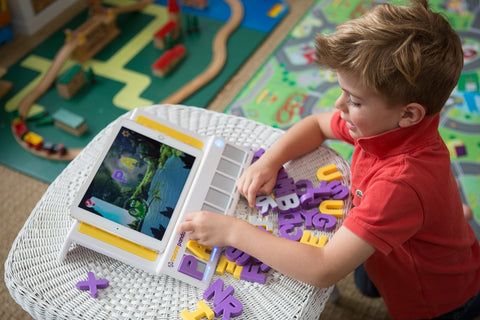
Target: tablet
<point x="138" y="185"/>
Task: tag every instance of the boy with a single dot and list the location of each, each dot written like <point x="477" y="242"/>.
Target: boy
<point x="396" y="66"/>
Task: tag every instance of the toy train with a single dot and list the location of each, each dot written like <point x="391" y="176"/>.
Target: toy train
<point x="35" y="141"/>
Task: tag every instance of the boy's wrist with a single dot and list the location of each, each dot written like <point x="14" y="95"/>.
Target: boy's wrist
<point x="271" y="161"/>
<point x="237" y="231"/>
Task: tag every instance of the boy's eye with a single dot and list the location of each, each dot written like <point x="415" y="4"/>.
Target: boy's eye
<point x="352" y="103"/>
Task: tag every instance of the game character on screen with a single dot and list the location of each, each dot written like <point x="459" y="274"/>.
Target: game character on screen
<point x="406" y="234"/>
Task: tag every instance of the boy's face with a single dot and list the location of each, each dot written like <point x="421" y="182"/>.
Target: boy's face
<point x="366" y="113"/>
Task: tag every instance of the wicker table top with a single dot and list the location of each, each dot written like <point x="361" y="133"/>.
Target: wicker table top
<point x="46" y="289"/>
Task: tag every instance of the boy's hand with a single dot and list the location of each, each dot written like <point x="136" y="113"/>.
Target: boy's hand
<point x="258" y="179"/>
<point x="208" y="228"/>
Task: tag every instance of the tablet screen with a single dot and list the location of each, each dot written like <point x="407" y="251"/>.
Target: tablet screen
<point x="138" y="183"/>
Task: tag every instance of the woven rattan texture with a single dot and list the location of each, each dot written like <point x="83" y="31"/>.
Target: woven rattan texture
<point x="45" y="287"/>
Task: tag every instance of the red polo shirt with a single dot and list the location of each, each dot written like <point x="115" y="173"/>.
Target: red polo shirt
<point x="407" y="205"/>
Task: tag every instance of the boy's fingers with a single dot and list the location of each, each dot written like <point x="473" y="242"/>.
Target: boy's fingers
<point x="185" y="226"/>
<point x="252" y="193"/>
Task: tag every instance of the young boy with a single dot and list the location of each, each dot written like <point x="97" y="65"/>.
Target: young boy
<point x="396" y="66"/>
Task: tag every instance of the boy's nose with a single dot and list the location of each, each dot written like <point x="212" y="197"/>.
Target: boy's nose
<point x="341" y="103"/>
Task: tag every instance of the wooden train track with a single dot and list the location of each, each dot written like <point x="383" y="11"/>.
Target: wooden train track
<point x="219" y="56"/>
<point x="45" y="83"/>
<point x="69" y="155"/>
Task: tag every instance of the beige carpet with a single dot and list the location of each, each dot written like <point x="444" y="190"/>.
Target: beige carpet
<point x="18" y="196"/>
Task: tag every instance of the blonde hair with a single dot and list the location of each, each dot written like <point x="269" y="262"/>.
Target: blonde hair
<point x="405" y="53"/>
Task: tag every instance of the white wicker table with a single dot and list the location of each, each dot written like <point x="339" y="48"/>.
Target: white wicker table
<point x="45" y="287"/>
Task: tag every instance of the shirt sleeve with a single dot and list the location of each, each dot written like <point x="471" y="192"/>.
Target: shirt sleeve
<point x="339" y="129"/>
<point x="388" y="214"/>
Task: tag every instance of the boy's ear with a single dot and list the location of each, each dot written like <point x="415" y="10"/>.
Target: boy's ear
<point x="412" y="114"/>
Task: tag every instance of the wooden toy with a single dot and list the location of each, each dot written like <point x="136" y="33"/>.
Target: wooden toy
<point x="5" y="86"/>
<point x="93" y="35"/>
<point x="174" y="13"/>
<point x="81" y="45"/>
<point x="33" y="140"/>
<point x="277" y="9"/>
<point x="171" y="30"/>
<point x="192" y="24"/>
<point x="19" y="127"/>
<point x="165" y="35"/>
<point x="94" y="7"/>
<point x="219" y="56"/>
<point x="168" y="60"/>
<point x="197" y="4"/>
<point x="92" y="284"/>
<point x="35" y="144"/>
<point x="86" y="37"/>
<point x="46" y="120"/>
<point x="60" y="149"/>
<point x="70" y="122"/>
<point x="49" y="147"/>
<point x="71" y="81"/>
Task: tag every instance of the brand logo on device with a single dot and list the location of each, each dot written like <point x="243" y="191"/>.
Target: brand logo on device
<point x="175" y="251"/>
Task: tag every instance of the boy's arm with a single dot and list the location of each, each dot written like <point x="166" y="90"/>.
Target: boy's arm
<point x="318" y="266"/>
<point x="303" y="137"/>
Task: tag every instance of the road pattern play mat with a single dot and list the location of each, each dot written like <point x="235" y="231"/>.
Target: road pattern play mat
<point x="120" y="76"/>
<point x="289" y="86"/>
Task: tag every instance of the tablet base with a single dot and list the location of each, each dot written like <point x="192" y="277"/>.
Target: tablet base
<point x="177" y="261"/>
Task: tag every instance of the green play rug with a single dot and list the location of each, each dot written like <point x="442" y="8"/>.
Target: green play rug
<point x="122" y="76"/>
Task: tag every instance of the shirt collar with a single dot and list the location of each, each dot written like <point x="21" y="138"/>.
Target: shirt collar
<point x="402" y="140"/>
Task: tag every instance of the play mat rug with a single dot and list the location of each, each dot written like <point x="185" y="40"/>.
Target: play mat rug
<point x="289" y="86"/>
<point x="121" y="75"/>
